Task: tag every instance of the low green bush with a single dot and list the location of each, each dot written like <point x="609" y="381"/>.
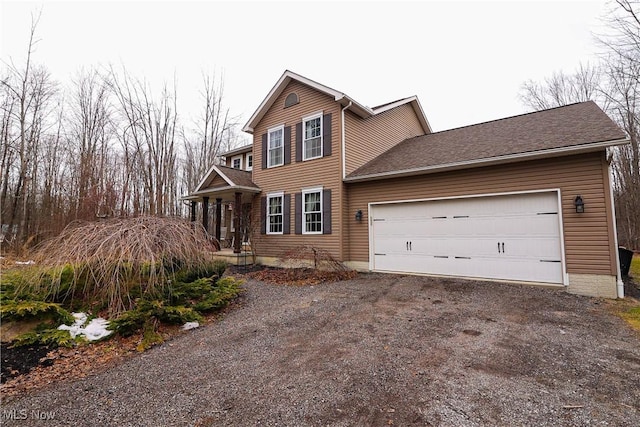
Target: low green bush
<point x="33" y="310"/>
<point x="219" y="297"/>
<point x="52" y="337"/>
<point x="150" y="336"/>
<point x="182" y="293"/>
<point x="186" y="297"/>
<point x="187" y="302"/>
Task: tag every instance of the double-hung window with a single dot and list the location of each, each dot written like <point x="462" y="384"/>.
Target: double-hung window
<point x="236" y="162"/>
<point x="249" y="162"/>
<point x="275" y="213"/>
<point x="275" y="147"/>
<point x="312" y="137"/>
<point x="312" y="211"/>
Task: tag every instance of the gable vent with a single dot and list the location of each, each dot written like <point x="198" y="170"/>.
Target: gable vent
<point x="292" y="99"/>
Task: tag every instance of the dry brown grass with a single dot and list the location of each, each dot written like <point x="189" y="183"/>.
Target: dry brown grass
<point x="111" y="258"/>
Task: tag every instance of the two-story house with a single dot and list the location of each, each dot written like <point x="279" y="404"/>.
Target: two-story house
<point x="522" y="199"/>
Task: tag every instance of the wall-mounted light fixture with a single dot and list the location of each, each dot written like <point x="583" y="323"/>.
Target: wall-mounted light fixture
<point x="579" y="204"/>
<point x="359" y="215"/>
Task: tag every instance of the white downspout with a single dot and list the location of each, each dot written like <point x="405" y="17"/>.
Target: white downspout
<point x="344" y="143"/>
<point x="619" y="282"/>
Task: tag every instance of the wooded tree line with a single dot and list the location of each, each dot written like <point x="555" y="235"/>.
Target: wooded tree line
<point x="103" y="146"/>
<point x="106" y="145"/>
<point x="614" y="84"/>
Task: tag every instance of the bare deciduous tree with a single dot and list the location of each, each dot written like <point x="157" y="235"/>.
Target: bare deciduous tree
<point x="30" y="89"/>
<point x="88" y="136"/>
<point x="563" y="89"/>
<point x="101" y="146"/>
<point x="148" y="137"/>
<point x="615" y="86"/>
<point x="214" y="134"/>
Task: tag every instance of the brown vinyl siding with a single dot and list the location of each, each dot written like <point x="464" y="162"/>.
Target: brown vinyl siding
<point x="588" y="237"/>
<point x="294" y="177"/>
<point x="367" y="139"/>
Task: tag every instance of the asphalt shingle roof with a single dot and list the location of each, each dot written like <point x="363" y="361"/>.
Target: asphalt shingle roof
<point x="574" y="125"/>
<point x="238" y="177"/>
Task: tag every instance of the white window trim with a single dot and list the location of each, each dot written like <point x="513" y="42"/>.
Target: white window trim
<point x="274" y="129"/>
<point x="270" y="196"/>
<point x="249" y="166"/>
<point x="304" y="151"/>
<point x="236" y="158"/>
<point x="304" y="223"/>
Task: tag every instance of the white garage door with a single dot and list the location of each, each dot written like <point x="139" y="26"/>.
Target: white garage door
<point x="511" y="237"/>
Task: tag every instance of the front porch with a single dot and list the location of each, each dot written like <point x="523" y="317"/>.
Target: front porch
<point x="243" y="258"/>
<point x="233" y="193"/>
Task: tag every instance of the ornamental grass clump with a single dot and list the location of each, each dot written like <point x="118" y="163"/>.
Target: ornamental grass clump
<point x="112" y="263"/>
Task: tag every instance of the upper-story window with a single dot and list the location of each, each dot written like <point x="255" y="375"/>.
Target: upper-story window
<point x="275" y="147"/>
<point x="249" y="161"/>
<point x="236" y="162"/>
<point x="312" y="137"/>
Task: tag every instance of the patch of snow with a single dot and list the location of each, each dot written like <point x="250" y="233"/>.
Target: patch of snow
<point x="30" y="262"/>
<point x="95" y="330"/>
<point x="190" y="325"/>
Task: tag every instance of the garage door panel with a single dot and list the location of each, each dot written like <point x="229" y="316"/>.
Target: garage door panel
<point x="527" y="225"/>
<point x="514" y="237"/>
<point x="534" y="248"/>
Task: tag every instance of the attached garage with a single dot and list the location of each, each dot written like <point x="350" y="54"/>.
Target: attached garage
<point x="494" y="200"/>
<point x="505" y="237"/>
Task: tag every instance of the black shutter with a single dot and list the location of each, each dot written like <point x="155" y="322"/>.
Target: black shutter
<point x="326" y="211"/>
<point x="264" y="151"/>
<point x="326" y="135"/>
<point x="286" y="214"/>
<point x="287" y="145"/>
<point x="298" y="213"/>
<point x="299" y="142"/>
<point x="263" y="215"/>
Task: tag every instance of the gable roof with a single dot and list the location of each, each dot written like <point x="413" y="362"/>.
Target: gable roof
<point x="234" y="178"/>
<point x="573" y="128"/>
<point x="340" y="97"/>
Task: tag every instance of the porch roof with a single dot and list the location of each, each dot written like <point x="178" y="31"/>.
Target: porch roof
<point x="223" y="182"/>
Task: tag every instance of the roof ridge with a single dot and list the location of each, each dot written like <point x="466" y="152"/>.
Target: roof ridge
<point x="509" y="117"/>
<point x="572" y="128"/>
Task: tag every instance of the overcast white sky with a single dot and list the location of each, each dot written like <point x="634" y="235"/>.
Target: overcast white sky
<point x="464" y="60"/>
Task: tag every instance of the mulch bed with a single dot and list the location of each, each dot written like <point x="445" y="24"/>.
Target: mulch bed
<point x="18" y="361"/>
<point x="299" y="276"/>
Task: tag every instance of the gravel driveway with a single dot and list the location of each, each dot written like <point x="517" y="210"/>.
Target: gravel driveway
<point x="374" y="351"/>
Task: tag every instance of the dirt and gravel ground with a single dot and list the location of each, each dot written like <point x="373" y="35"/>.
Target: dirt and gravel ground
<point x="376" y="350"/>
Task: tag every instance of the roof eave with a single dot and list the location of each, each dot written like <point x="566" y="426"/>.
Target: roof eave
<point x="355" y="107"/>
<point x="278" y="88"/>
<point x="197" y="195"/>
<point x="511" y="158"/>
<point x="244" y="149"/>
